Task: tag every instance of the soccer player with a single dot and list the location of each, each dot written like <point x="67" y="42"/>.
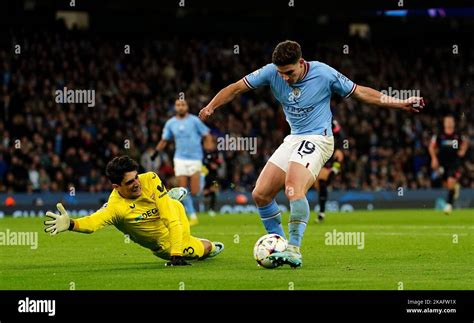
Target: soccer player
<point x="140" y="207"/>
<point x="212" y="161"/>
<point x="304" y="89"/>
<point x="446" y="151"/>
<point x="188" y="132"/>
<point x="330" y="169"/>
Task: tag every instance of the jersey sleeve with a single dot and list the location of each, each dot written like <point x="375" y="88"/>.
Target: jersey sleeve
<point x="167" y="133"/>
<point x="339" y="83"/>
<point x="102" y="217"/>
<point x="201" y="127"/>
<point x="170" y="219"/>
<point x="260" y="77"/>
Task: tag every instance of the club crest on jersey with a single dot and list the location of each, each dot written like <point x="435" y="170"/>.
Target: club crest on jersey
<point x="294" y="95"/>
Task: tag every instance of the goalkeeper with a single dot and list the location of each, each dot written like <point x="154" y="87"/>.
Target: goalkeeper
<point x="140" y="206"/>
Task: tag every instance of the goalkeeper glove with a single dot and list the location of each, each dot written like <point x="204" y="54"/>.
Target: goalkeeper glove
<point x="155" y="154"/>
<point x="178" y="193"/>
<point x="177" y="261"/>
<point x="336" y="167"/>
<point x="59" y="223"/>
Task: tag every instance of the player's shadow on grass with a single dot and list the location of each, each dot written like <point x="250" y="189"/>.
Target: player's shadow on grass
<point x="94" y="267"/>
<point x="123" y="267"/>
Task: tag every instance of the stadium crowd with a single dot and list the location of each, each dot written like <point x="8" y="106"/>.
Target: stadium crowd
<point x="47" y="146"/>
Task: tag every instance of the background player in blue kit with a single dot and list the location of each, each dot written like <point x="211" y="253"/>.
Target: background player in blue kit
<point x="188" y="132"/>
<point x="304" y="89"/>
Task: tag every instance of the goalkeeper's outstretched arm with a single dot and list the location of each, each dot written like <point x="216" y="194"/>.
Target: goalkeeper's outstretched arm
<point x="59" y="222"/>
<point x="88" y="224"/>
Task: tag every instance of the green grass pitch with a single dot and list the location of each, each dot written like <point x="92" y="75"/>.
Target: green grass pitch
<point x="413" y="249"/>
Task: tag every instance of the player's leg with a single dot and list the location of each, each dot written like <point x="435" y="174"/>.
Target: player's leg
<point x="195" y="190"/>
<point x="298" y="180"/>
<point x="200" y="249"/>
<point x="270" y="181"/>
<point x="211" y="195"/>
<point x="451" y="183"/>
<point x="323" y="181"/>
<point x="184" y="169"/>
<point x="211" y="249"/>
<point x="188" y="200"/>
<point x="211" y="187"/>
<point x="195" y="248"/>
<point x="306" y="161"/>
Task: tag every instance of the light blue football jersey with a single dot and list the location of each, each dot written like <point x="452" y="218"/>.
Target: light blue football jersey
<point x="187" y="134"/>
<point x="306" y="103"/>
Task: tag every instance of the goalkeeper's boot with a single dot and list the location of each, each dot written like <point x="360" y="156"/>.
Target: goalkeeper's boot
<point x="321" y="217"/>
<point x="218" y="248"/>
<point x="291" y="256"/>
<point x="178" y="193"/>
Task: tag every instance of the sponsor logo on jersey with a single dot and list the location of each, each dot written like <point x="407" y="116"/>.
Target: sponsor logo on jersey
<point x="147" y="214"/>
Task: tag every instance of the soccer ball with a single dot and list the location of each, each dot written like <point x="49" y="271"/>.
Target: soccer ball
<point x="267" y="245"/>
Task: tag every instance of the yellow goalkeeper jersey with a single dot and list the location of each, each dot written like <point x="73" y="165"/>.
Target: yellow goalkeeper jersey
<point x="150" y="220"/>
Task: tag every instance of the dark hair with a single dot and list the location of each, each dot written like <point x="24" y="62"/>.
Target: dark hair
<point x="117" y="167"/>
<point x="287" y="52"/>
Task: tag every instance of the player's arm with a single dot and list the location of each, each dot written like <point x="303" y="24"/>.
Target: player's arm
<point x="159" y="148"/>
<point x="464" y="146"/>
<point x="371" y="96"/>
<point x="224" y="96"/>
<point x="338" y="155"/>
<point x="161" y="145"/>
<point x="166" y="136"/>
<point x="208" y="142"/>
<point x="433" y="151"/>
<point x="88" y="224"/>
